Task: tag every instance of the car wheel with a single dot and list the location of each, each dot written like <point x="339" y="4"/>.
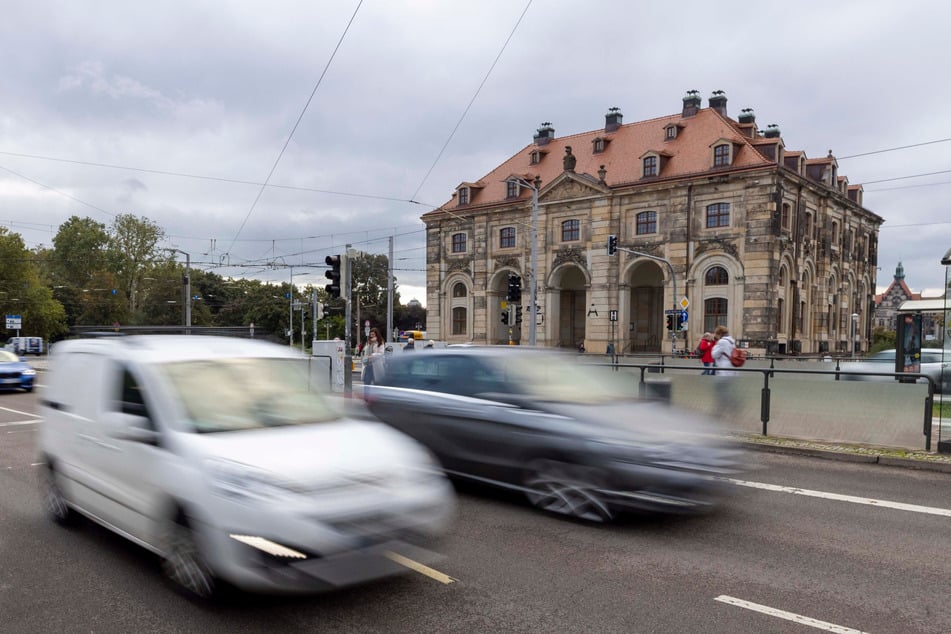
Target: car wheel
<point x="183" y="563"/>
<point x="566" y="489"/>
<point x="54" y="501"/>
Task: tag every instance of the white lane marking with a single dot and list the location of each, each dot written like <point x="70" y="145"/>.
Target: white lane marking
<point x="36" y="464"/>
<point x="20" y="422"/>
<point x="16" y="411"/>
<point x="789" y="616"/>
<point x="901" y="506"/>
<point x="420" y="568"/>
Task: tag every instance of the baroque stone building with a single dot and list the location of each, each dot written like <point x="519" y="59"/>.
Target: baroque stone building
<point x="707" y="209"/>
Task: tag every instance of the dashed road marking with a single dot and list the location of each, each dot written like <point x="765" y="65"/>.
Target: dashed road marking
<point x="789" y="616"/>
<point x="900" y="506"/>
<point x="420" y="568"/>
<point x="20" y="422"/>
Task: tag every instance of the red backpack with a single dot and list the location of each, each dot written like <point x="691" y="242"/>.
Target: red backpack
<point x="738" y="356"/>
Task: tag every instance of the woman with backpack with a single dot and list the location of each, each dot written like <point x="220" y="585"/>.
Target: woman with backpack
<point x="722" y="351"/>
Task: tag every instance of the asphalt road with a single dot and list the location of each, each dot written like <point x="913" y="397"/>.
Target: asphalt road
<point x="802" y="545"/>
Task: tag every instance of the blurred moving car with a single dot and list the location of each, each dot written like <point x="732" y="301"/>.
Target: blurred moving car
<point x="15" y="373"/>
<point x="571" y="437"/>
<point x="215" y="454"/>
<point x="932" y="365"/>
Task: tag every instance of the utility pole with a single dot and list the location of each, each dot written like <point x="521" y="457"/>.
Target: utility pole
<point x="389" y="291"/>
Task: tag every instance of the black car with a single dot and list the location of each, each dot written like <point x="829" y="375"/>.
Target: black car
<point x="573" y="437"/>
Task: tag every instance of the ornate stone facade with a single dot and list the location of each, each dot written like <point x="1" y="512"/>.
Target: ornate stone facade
<point x="773" y="245"/>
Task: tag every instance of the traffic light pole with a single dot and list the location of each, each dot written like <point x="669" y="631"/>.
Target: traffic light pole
<point x="673" y="281"/>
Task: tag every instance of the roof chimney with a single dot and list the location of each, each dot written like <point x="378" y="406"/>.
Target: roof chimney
<point x="544" y="134"/>
<point x="691" y="103"/>
<point x="718" y="101"/>
<point x="772" y="131"/>
<point x="747" y="116"/>
<point x="612" y="120"/>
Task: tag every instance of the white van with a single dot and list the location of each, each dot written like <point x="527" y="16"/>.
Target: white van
<point x="26" y="345"/>
<point x="214" y="453"/>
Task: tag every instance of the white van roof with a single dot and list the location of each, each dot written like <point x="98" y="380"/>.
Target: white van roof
<point x="165" y="348"/>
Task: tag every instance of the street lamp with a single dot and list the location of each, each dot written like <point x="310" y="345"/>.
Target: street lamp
<point x="533" y="278"/>
<point x="855" y="319"/>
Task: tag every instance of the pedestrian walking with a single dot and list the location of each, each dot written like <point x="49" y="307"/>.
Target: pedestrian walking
<point x="372" y="352"/>
<point x="722" y="351"/>
<point x="705" y="349"/>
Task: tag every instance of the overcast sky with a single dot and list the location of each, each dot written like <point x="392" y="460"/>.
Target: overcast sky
<point x="178" y="111"/>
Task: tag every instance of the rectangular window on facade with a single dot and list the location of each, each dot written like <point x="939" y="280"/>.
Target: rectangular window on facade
<point x="570" y="230"/>
<point x="721" y="155"/>
<point x="459" y="320"/>
<point x="650" y="166"/>
<point x="646" y="222"/>
<point x="714" y="313"/>
<point x="507" y="238"/>
<point x="511" y="189"/>
<point x="458" y="243"/>
<point x="785" y="218"/>
<point x="718" y="215"/>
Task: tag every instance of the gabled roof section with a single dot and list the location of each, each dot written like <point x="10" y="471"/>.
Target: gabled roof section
<point x="688" y="154"/>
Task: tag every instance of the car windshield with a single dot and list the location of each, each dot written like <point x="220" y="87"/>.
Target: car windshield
<point x="246" y="393"/>
<point x="8" y="357"/>
<point x="556" y="378"/>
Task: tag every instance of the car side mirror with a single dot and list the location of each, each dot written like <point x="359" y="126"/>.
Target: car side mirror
<point x="132" y="427"/>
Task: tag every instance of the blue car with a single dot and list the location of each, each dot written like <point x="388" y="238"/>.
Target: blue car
<point x="15" y="374"/>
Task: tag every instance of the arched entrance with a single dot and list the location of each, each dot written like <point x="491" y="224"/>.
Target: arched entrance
<point x="645" y="281"/>
<point x="569" y="290"/>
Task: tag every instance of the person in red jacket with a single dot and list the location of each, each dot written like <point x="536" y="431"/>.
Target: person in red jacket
<point x="706" y="353"/>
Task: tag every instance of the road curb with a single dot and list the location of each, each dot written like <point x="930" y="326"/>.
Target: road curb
<point x="842" y="456"/>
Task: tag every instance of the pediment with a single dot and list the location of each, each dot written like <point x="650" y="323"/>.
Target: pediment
<point x="570" y="185"/>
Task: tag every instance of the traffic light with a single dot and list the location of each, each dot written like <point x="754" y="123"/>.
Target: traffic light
<point x="518" y="314"/>
<point x="612" y="244"/>
<point x="515" y="288"/>
<point x="505" y="317"/>
<point x="670" y="322"/>
<point x="333" y="289"/>
<point x="320" y="310"/>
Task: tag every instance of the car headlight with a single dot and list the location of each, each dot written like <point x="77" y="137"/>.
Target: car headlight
<point x="28" y="372"/>
<point x="243" y="482"/>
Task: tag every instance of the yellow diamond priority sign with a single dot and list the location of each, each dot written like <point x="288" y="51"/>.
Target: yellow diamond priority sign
<point x="684" y="303"/>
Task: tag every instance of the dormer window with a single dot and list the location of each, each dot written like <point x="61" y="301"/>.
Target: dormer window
<point x="463" y="196"/>
<point x="599" y="145"/>
<point x="721" y="155"/>
<point x="650" y="166"/>
<point x="535" y="157"/>
<point x="511" y="189"/>
<point x="670" y="132"/>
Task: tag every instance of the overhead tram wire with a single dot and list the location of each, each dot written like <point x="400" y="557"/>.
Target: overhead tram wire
<point x="892" y="149"/>
<point x="56" y="191"/>
<point x="219" y="179"/>
<point x="296" y="124"/>
<point x="471" y="101"/>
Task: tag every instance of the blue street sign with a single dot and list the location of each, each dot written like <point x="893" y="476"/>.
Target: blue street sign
<point x="683" y="316"/>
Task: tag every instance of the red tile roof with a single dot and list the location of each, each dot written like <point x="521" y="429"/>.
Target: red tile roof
<point x="690" y="153"/>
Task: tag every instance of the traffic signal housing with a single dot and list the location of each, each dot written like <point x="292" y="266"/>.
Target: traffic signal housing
<point x="518" y="314"/>
<point x="612" y="244"/>
<point x="334" y="262"/>
<point x="515" y="288"/>
<point x="505" y="317"/>
<point x="670" y="322"/>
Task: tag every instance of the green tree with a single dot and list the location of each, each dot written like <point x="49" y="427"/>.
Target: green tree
<point x="368" y="275"/>
<point x="76" y="265"/>
<point x="132" y="251"/>
<point x="23" y="291"/>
